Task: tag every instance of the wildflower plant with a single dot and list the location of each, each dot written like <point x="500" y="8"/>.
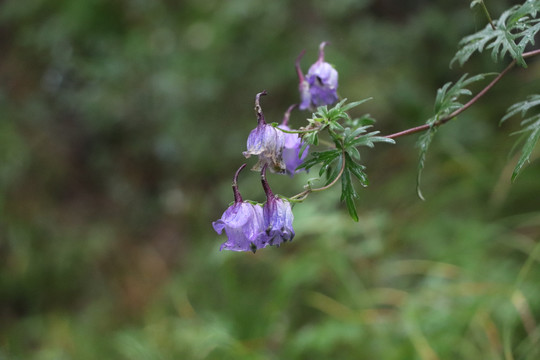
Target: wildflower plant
<point x="331" y="141"/>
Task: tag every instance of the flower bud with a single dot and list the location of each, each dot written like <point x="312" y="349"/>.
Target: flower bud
<point x="292" y="147"/>
<point x="319" y="86"/>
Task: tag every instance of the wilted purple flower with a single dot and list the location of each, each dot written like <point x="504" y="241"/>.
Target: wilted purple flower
<point x="277" y="217"/>
<point x="266" y="142"/>
<point x="243" y="223"/>
<point x="293" y="145"/>
<point x="319" y="87"/>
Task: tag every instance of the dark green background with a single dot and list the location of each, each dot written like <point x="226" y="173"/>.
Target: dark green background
<point x="122" y="123"/>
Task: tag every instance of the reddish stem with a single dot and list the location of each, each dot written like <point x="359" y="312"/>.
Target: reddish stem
<point x="298" y="68"/>
<point x="464" y="107"/>
<point x="258" y="109"/>
<point x="287" y="115"/>
<point x="237" y="196"/>
<point x="266" y="187"/>
<point x="321" y="51"/>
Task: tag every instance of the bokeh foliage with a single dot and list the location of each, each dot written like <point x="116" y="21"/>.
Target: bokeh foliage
<point x="122" y="123"/>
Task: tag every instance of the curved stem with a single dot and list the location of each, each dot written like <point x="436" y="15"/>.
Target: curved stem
<point x="258" y="109"/>
<point x="266" y="187"/>
<point x="301" y="196"/>
<point x="287" y="115"/>
<point x="237" y="196"/>
<point x="464" y="107"/>
<point x="321" y="51"/>
<point x="298" y="68"/>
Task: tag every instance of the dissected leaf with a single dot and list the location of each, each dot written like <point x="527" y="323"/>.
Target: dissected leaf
<point x="531" y="131"/>
<point x="423" y="143"/>
<point x="528" y="147"/>
<point x="348" y="194"/>
<point x="514" y="30"/>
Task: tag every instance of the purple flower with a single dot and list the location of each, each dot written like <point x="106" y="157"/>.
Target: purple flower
<point x="266" y="142"/>
<point x="319" y="87"/>
<point x="243" y="223"/>
<point x="277" y="217"/>
<point x="292" y="146"/>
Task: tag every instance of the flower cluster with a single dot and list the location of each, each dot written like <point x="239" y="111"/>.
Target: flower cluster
<point x="250" y="226"/>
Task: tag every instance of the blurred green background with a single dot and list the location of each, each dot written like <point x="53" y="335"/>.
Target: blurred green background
<point x="123" y="121"/>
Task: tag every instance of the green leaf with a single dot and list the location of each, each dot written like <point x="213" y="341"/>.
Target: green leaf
<point x="324" y="158"/>
<point x="447" y="97"/>
<point x="527" y="149"/>
<point x="333" y="171"/>
<point x="311" y="138"/>
<point x="354" y="104"/>
<point x="348" y="194"/>
<point x="514" y="30"/>
<point x="353" y="153"/>
<point x="338" y="112"/>
<point x="475" y="2"/>
<point x="446" y="102"/>
<point x="358" y="171"/>
<point x="423" y="144"/>
<point x="522" y="107"/>
<point x="532" y="128"/>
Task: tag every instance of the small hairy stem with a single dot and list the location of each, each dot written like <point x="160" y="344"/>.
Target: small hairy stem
<point x="464" y="107"/>
<point x="301" y="196"/>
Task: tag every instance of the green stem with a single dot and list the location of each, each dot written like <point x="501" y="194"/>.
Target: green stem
<point x="276" y="125"/>
<point x="301" y="196"/>
<point x="486" y="12"/>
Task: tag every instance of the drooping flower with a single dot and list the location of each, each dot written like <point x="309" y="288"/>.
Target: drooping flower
<point x="243" y="223"/>
<point x="292" y="146"/>
<point x="319" y="86"/>
<point x="266" y="142"/>
<point x="277" y="217"/>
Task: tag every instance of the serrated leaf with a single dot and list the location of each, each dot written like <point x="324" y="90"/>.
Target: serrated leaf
<point x="522" y="107"/>
<point x="358" y="171"/>
<point x="354" y="153"/>
<point x="348" y="194"/>
<point x="527" y="149"/>
<point x="447" y="97"/>
<point x="352" y="208"/>
<point x="529" y="8"/>
<point x="338" y="112"/>
<point x="423" y="143"/>
<point x="514" y="30"/>
<point x="324" y="157"/>
<point x="303" y="148"/>
<point x="532" y="127"/>
<point x="333" y="172"/>
<point x="353" y="104"/>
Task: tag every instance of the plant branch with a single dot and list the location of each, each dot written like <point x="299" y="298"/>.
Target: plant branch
<point x="464" y="107"/>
